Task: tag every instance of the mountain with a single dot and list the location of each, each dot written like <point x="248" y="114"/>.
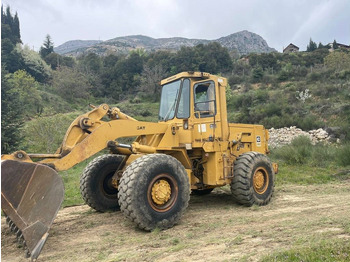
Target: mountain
<point x="243" y="42"/>
<point x="73" y="45"/>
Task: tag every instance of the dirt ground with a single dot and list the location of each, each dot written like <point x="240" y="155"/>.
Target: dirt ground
<point x="213" y="228"/>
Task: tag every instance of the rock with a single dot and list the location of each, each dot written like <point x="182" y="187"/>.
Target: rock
<point x="285" y="135"/>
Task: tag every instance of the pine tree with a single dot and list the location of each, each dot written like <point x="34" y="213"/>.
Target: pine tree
<point x="10" y="26"/>
<point x="47" y="47"/>
<point x="16" y="30"/>
<point x="10" y="36"/>
<point x="311" y="46"/>
<point x="335" y="44"/>
<point x="320" y="46"/>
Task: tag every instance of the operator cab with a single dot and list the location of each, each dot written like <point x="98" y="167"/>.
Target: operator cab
<point x="176" y="96"/>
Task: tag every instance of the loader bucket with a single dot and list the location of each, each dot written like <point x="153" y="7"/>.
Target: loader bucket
<point x="31" y="195"/>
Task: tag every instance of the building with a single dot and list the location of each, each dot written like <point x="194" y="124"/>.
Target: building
<point x="291" y="49"/>
<point x="340" y="46"/>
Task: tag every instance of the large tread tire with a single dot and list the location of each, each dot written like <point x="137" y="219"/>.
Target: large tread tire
<point x="95" y="186"/>
<point x="136" y="191"/>
<point x="253" y="180"/>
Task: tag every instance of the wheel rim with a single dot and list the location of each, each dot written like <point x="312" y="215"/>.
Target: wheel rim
<point x="260" y="180"/>
<point x="162" y="192"/>
<point x="107" y="186"/>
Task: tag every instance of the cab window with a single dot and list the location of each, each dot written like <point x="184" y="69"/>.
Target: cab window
<point x="204" y="99"/>
<point x="183" y="109"/>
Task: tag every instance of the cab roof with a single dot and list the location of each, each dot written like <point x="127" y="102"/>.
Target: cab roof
<point x="190" y="74"/>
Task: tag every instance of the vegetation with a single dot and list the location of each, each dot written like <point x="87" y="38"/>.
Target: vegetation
<point x="301" y="151"/>
<point x="41" y="93"/>
<point x="306" y="89"/>
<point x="327" y="251"/>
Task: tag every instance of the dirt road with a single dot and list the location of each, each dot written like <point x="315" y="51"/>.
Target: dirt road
<point x="212" y="229"/>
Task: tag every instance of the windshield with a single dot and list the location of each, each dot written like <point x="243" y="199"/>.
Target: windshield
<point x="168" y="100"/>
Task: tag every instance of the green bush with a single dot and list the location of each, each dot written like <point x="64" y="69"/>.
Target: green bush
<point x="45" y="134"/>
<point x="298" y="152"/>
<point x="302" y="152"/>
<point x="343" y="155"/>
<point x="344" y="74"/>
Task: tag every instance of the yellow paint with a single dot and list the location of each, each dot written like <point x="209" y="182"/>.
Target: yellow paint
<point x="161" y="192"/>
<point x="210" y="140"/>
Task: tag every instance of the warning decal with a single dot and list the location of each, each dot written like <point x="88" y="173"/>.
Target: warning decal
<point x="258" y="141"/>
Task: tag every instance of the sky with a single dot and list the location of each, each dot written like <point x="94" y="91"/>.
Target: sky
<point x="279" y="22"/>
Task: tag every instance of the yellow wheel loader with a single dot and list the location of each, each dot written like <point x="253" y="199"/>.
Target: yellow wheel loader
<point x="191" y="148"/>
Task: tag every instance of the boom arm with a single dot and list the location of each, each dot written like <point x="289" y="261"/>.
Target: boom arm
<point x="88" y="134"/>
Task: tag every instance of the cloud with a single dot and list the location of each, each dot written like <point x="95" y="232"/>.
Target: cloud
<point x="278" y="21"/>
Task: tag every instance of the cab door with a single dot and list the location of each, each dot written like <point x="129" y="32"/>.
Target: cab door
<point x="206" y="119"/>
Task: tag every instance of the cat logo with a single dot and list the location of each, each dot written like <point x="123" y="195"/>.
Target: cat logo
<point x="140" y="127"/>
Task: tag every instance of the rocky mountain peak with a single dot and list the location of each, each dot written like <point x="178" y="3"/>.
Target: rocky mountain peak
<point x="243" y="42"/>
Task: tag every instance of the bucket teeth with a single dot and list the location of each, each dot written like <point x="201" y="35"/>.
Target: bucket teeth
<point x="12" y="226"/>
<point x="18" y="233"/>
<point x="20" y="240"/>
<point x="26" y="252"/>
<point x="19" y="236"/>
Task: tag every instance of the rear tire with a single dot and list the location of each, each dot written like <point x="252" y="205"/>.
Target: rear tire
<point x="154" y="191"/>
<point x="253" y="179"/>
<point x="95" y="183"/>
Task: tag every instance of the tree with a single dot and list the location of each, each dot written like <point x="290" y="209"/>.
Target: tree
<point x="90" y="63"/>
<point x="11" y="116"/>
<point x="34" y="64"/>
<point x="55" y="60"/>
<point x="150" y="78"/>
<point x="337" y="60"/>
<point x="320" y="46"/>
<point x="16" y="29"/>
<point x="47" y="47"/>
<point x="27" y="89"/>
<point x="10" y="26"/>
<point x="70" y="84"/>
<point x="311" y="46"/>
<point x="257" y="74"/>
<point x="213" y="58"/>
<point x="10" y="36"/>
<point x="335" y="44"/>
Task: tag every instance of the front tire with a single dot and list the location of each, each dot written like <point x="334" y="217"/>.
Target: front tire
<point x="154" y="191"/>
<point x="96" y="183"/>
<point x="253" y="179"/>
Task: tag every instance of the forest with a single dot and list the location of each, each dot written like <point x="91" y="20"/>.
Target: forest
<point x="305" y="89"/>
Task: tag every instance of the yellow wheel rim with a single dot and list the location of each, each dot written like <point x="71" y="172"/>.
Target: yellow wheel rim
<point x="260" y="180"/>
<point x="161" y="192"/>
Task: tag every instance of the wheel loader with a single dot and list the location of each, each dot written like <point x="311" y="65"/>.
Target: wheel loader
<point x="192" y="148"/>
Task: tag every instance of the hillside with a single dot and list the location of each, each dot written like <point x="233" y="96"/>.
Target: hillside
<point x="73" y="45"/>
<point x="243" y="42"/>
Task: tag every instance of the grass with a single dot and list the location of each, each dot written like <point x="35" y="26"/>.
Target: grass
<point x="326" y="251"/>
<point x="302" y="152"/>
<point x="71" y="180"/>
<point x="309" y="175"/>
